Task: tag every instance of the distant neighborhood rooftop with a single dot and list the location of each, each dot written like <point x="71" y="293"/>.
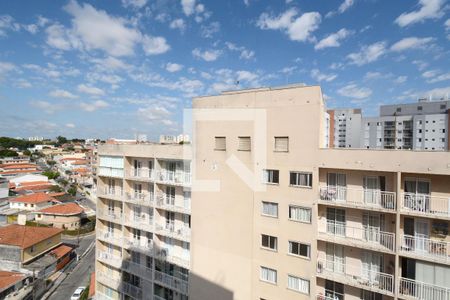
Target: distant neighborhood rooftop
<point x="26" y="236"/>
<point x="63" y="209"/>
<point x="33" y="198"/>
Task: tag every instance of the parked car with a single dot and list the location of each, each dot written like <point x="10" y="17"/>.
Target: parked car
<point x="77" y="294"/>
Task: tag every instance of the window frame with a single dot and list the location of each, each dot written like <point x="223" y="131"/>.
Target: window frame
<point x="273" y="172"/>
<point x="270" y="238"/>
<point x="215" y="143"/>
<point x="267" y="215"/>
<point x="275" y="144"/>
<point x="265" y="280"/>
<point x="301" y="207"/>
<point x="299" y="291"/>
<point x="299" y="173"/>
<point x="239" y="143"/>
<point x="299" y="244"/>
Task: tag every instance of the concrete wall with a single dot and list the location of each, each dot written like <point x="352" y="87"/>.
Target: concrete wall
<point x="40" y="248"/>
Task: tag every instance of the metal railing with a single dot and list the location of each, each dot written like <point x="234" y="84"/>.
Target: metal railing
<point x="109" y="192"/>
<point x="109" y="258"/>
<point x="335" y="296"/>
<point x="142" y="173"/>
<point x="108" y="279"/>
<point x="359" y="197"/>
<point x="110" y="215"/>
<point x="132" y="290"/>
<point x="137" y="268"/>
<point x="357" y="276"/>
<point x="166" y="254"/>
<point x="167" y="202"/>
<point x="142" y="198"/>
<point x="367" y="235"/>
<point x="171" y="281"/>
<point x="426" y="247"/>
<point x="174" y="177"/>
<point x="168" y="229"/>
<point x="109" y="237"/>
<point x="140" y="244"/>
<point x="144" y="222"/>
<point x="423" y="291"/>
<point x="426" y="204"/>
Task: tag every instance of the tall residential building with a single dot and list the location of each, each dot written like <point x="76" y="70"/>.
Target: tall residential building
<point x="143" y="221"/>
<point x="344" y="128"/>
<point x="276" y="215"/>
<point x="419" y="126"/>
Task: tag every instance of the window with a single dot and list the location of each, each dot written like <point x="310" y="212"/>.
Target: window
<point x="301" y="179"/>
<point x="268" y="241"/>
<point x="271" y="176"/>
<point x="244" y="143"/>
<point x="269" y="275"/>
<point x="270" y="209"/>
<point x="281" y="144"/>
<point x="399" y="109"/>
<point x="443" y="106"/>
<point x="298" y="284"/>
<point x="301" y="214"/>
<point x="299" y="249"/>
<point x="220" y="143"/>
<point x="419" y="107"/>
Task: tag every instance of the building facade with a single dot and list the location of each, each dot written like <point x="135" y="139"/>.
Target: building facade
<point x="277" y="215"/>
<point x="344" y="128"/>
<point x="143" y="221"/>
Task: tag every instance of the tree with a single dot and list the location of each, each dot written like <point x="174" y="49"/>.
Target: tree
<point x="27" y="152"/>
<point x="55" y="189"/>
<point x="72" y="190"/>
<point x="51" y="163"/>
<point x="63" y="182"/>
<point x="60" y="140"/>
<point x="50" y="174"/>
<point x="8" y="153"/>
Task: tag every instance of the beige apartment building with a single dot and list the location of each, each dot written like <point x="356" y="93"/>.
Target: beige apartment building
<point x="277" y="216"/>
<point x="143" y="221"/>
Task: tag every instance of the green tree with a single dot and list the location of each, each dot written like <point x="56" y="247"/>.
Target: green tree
<point x="55" y="189"/>
<point x="27" y="152"/>
<point x="63" y="182"/>
<point x="72" y="190"/>
<point x="50" y="174"/>
<point x="60" y="140"/>
<point x="8" y="153"/>
<point x="51" y="163"/>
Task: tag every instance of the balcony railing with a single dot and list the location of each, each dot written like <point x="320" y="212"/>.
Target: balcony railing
<point x="423" y="291"/>
<point x="426" y="204"/>
<point x="109" y="258"/>
<point x="132" y="290"/>
<point x="109" y="237"/>
<point x="169" y="230"/>
<point x="171" y="281"/>
<point x="137" y="268"/>
<point x="143" y="198"/>
<point x="358" y="276"/>
<point x="109" y="192"/>
<point x="372" y="236"/>
<point x="156" y="297"/>
<point x="110" y="215"/>
<point x="108" y="279"/>
<point x="166" y="254"/>
<point x="426" y="247"/>
<point x="142" y="173"/>
<point x="174" y="177"/>
<point x="144" y="222"/>
<point x="359" y="197"/>
<point x="139" y="244"/>
<point x="327" y="296"/>
<point x="167" y="202"/>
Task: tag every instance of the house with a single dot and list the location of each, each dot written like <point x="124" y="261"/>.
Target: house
<point x="65" y="216"/>
<point x="14" y="283"/>
<point x="20" y="244"/>
<point x="13" y="170"/>
<point x="19" y="180"/>
<point x="63" y="255"/>
<point x="31" y="202"/>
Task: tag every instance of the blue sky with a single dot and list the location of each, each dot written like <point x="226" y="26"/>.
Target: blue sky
<point x="117" y="68"/>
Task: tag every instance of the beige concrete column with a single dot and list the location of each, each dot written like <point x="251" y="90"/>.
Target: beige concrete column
<point x="398" y="186"/>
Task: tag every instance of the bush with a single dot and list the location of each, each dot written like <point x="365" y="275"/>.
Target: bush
<point x="8" y="153"/>
<point x="51" y="174"/>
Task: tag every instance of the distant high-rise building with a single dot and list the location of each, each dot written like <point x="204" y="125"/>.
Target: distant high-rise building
<point x="344" y="128"/>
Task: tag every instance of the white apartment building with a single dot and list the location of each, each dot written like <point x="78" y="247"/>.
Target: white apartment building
<point x="143" y="221"/>
<point x="345" y="125"/>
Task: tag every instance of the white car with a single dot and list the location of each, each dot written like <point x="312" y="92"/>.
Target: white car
<point x="77" y="294"/>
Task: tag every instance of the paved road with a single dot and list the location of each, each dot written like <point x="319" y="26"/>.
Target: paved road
<point x="78" y="277"/>
<point x="84" y="242"/>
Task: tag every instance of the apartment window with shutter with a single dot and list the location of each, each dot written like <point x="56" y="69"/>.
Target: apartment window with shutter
<point x="220" y="143"/>
<point x="268" y="275"/>
<point x="281" y="144"/>
<point x="271" y="176"/>
<point x="269" y="242"/>
<point x="244" y="143"/>
<point x="299" y="249"/>
<point x="300" y="214"/>
<point x="298" y="284"/>
<point x="270" y="209"/>
<point x="301" y="179"/>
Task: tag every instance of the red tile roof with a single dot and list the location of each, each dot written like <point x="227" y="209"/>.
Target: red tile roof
<point x="33" y="198"/>
<point x="26" y="236"/>
<point x="19" y="171"/>
<point x="92" y="285"/>
<point x="18" y="166"/>
<point x="63" y="209"/>
<point x="28" y="183"/>
<point x="61" y="250"/>
<point x="40" y="187"/>
<point x="8" y="279"/>
<point x="80" y="162"/>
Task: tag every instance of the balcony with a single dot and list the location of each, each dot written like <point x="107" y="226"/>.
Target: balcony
<point x="144" y="174"/>
<point x="110" y="259"/>
<point x="361" y="237"/>
<point x="109" y="237"/>
<point x="140" y="222"/>
<point x="174" y="177"/>
<point x="145" y="246"/>
<point x="171" y="282"/>
<point x="425" y="204"/>
<point x="110" y="193"/>
<point x="108" y="280"/>
<point x="412" y="289"/>
<point x="167" y="202"/>
<point x="132" y="290"/>
<point x="143" y="198"/>
<point x="168" y="229"/>
<point x="156" y="297"/>
<point x="109" y="215"/>
<point x="335" y="296"/>
<point x="356" y="276"/>
<point x="165" y="254"/>
<point x="426" y="248"/>
<point x="138" y="269"/>
<point x="358" y="198"/>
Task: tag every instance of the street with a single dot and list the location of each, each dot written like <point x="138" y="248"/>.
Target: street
<point x="79" y="275"/>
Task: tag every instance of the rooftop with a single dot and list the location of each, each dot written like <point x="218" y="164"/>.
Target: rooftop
<point x="8" y="279"/>
<point x="63" y="209"/>
<point x="26" y="236"/>
<point x="60" y="251"/>
<point x="33" y="198"/>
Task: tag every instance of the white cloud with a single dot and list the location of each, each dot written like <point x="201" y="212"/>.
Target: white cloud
<point x="207" y="55"/>
<point x="90" y="90"/>
<point x="7" y="23"/>
<point x="48" y="107"/>
<point x="154" y="45"/>
<point x="178" y="24"/>
<point x="50" y="71"/>
<point x="96" y="30"/>
<point x="70" y="125"/>
<point x="353" y="91"/>
<point x="447" y="24"/>
<point x="368" y="54"/>
<point x="401" y="79"/>
<point x="434" y="77"/>
<point x="333" y="40"/>
<point x="155" y="114"/>
<point x="430" y="74"/>
<point x="173" y="67"/>
<point x="62" y="94"/>
<point x="429" y="9"/>
<point x="134" y="3"/>
<point x="93" y="106"/>
<point x="372" y="75"/>
<point x="188" y="7"/>
<point x="345" y="5"/>
<point x="421" y="65"/>
<point x="109" y="64"/>
<point x="106" y="78"/>
<point x="246" y="76"/>
<point x="411" y="42"/>
<point x="244" y="52"/>
<point x="6" y="67"/>
<point x="57" y="37"/>
<point x="23" y="84"/>
<point x="297" y="28"/>
<point x="317" y="75"/>
<point x="208" y="31"/>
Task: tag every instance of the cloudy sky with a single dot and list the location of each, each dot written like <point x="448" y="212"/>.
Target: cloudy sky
<point x="117" y="68"/>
